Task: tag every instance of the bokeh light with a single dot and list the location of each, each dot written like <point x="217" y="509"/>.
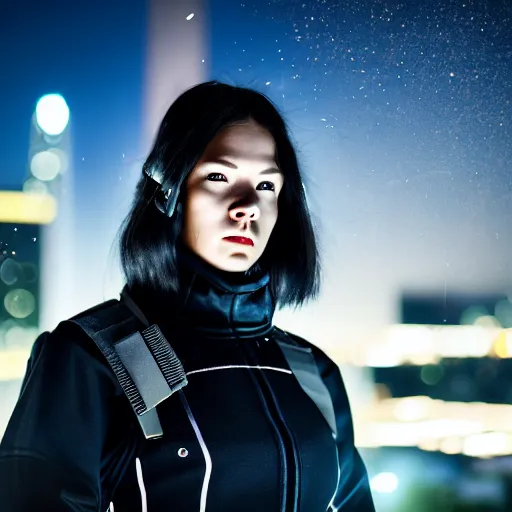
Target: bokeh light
<point x="412" y="408"/>
<point x="45" y="165"/>
<point x="52" y="114"/>
<point x="432" y="374"/>
<point x="19" y="303"/>
<point x="503" y="313"/>
<point x="34" y="186"/>
<point x="10" y="271"/>
<point x="30" y="271"/>
<point x="472" y="314"/>
<point x="384" y="483"/>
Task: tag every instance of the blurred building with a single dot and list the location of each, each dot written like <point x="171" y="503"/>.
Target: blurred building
<point x="36" y="246"/>
<point x="21" y="218"/>
<point x="443" y="382"/>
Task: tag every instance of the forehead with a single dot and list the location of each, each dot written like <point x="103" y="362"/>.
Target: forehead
<point x="248" y="141"/>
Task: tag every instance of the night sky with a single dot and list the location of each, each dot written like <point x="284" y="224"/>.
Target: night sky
<point x="401" y="112"/>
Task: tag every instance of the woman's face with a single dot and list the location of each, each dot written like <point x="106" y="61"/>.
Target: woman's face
<point x="232" y="193"/>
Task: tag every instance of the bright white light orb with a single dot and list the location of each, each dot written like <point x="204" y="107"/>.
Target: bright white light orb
<point x="384" y="483"/>
<point x="52" y="114"/>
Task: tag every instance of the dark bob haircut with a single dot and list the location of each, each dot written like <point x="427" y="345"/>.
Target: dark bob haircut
<point x="148" y="238"/>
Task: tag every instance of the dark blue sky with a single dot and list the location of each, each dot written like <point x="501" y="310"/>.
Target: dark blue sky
<point x="90" y="53"/>
<point x="436" y="76"/>
<point x="401" y="111"/>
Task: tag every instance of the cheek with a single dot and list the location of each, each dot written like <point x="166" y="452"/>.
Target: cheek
<point x="272" y="216"/>
<point x="201" y="214"/>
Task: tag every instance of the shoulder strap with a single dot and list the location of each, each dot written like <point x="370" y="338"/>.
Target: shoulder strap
<point x="303" y="365"/>
<point x="144" y="363"/>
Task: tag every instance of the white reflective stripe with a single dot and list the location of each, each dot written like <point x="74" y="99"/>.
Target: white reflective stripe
<point x="283" y="370"/>
<point x="140" y="479"/>
<point x="206" y="453"/>
<point x="332" y="508"/>
<point x="111" y="507"/>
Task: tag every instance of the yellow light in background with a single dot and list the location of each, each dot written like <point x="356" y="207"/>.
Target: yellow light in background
<point x="487" y="444"/>
<point x="416" y="343"/>
<point x="446" y="427"/>
<point x="487" y="321"/>
<point x="464" y="340"/>
<point x="412" y="408"/>
<point x="381" y="358"/>
<point x="13" y="363"/>
<point x="390" y="433"/>
<point x="449" y="427"/>
<point x="451" y="445"/>
<point x="24" y="208"/>
<point x="421" y="345"/>
<point x="420" y="359"/>
<point x="430" y="444"/>
<point x="503" y="344"/>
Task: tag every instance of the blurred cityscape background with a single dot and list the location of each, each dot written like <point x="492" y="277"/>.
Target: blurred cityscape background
<point x="401" y="112"/>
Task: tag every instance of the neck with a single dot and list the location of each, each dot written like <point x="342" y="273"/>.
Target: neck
<point x="211" y="303"/>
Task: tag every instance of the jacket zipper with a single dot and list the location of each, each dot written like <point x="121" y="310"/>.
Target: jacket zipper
<point x="289" y="502"/>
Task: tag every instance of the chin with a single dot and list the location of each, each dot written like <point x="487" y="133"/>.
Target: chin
<point x="236" y="263"/>
<point x="236" y="266"/>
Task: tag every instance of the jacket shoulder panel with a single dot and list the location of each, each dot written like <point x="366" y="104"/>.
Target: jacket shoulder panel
<point x="112" y="318"/>
<point x="102" y="315"/>
<point x="321" y="358"/>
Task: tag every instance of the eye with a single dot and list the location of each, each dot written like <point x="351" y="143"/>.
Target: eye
<point x="266" y="185"/>
<point x="216" y="176"/>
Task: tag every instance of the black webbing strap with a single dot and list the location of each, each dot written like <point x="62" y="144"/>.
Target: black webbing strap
<point x="144" y="363"/>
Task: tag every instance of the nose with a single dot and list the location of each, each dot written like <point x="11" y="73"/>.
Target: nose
<point x="244" y="213"/>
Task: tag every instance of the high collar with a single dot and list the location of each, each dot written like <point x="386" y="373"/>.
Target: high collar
<point x="210" y="302"/>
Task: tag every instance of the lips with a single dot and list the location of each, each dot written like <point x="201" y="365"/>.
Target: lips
<point x="239" y="240"/>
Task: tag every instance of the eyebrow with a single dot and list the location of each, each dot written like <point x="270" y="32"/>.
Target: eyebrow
<point x="225" y="163"/>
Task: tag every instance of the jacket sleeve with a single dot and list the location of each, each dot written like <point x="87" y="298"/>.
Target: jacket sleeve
<point x="51" y="452"/>
<point x="353" y="491"/>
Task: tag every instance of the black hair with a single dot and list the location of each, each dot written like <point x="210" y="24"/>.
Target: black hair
<point x="148" y="238"/>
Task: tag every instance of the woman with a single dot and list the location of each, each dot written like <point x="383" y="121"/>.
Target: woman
<point x="218" y="236"/>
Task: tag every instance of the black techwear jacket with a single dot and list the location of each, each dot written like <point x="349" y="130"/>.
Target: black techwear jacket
<point x="245" y="438"/>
